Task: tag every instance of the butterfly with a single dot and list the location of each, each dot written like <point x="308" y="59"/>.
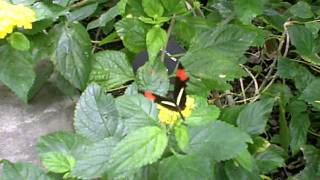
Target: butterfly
<point x="177" y="101"/>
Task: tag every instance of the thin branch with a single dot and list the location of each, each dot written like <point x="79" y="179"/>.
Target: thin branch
<point x="242" y="89"/>
<point x="172" y="23"/>
<point x="256" y="85"/>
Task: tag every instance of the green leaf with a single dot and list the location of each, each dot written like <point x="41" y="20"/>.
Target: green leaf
<point x="137" y="111"/>
<point x="58" y="162"/>
<point x="217" y="54"/>
<point x="230" y="114"/>
<point x="299" y="126"/>
<point x="174" y="6"/>
<point x="202" y="113"/>
<point x="236" y="172"/>
<point x="246" y="10"/>
<point x="153" y="76"/>
<point x="303" y="40"/>
<point x="111" y="69"/>
<point x="185" y="167"/>
<point x="217" y="140"/>
<point x="153" y="8"/>
<point x="67" y="143"/>
<point x="19" y="41"/>
<point x="259" y="145"/>
<point x="181" y="133"/>
<point x="104" y="18"/>
<point x="289" y="69"/>
<point x="22" y="171"/>
<point x="253" y="118"/>
<point x="96" y="116"/>
<point x="156" y="39"/>
<point x="71" y="52"/>
<point x="314" y="28"/>
<point x="311" y="171"/>
<point x="302" y="10"/>
<point x="94" y="161"/>
<point x="245" y="160"/>
<point x="133" y="33"/>
<point x="141" y="147"/>
<point x="269" y="160"/>
<point x="16" y="71"/>
<point x="311" y="93"/>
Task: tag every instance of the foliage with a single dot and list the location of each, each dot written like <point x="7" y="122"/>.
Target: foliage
<point x="253" y="69"/>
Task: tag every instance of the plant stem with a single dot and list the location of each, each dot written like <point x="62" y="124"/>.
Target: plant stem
<point x="172" y="23"/>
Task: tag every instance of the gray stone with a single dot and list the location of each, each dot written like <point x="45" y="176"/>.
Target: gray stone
<point x="22" y="124"/>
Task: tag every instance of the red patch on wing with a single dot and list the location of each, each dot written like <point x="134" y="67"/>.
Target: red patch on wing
<point x="182" y="75"/>
<point x="149" y="95"/>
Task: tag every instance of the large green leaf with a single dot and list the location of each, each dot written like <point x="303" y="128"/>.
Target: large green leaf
<point x="246" y="10"/>
<point x="312" y="170"/>
<point x="236" y="172"/>
<point x="303" y="40"/>
<point x="58" y="162"/>
<point x="269" y="160"/>
<point x="301" y="9"/>
<point x="153" y="76"/>
<point x="202" y="113"/>
<point x="214" y="56"/>
<point x="133" y="33"/>
<point x="83" y="12"/>
<point x="63" y="142"/>
<point x="95" y="159"/>
<point x="71" y="53"/>
<point x="311" y="93"/>
<point x="156" y="39"/>
<point x="153" y="8"/>
<point x="253" y="118"/>
<point x="96" y="116"/>
<point x="185" y="167"/>
<point x="141" y="147"/>
<point x="111" y="69"/>
<point x="137" y="111"/>
<point x="104" y="18"/>
<point x="22" y="171"/>
<point x="217" y="140"/>
<point x="289" y="69"/>
<point x="174" y="6"/>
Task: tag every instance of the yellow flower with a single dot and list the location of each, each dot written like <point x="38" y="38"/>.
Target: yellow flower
<point x="12" y="16"/>
<point x="169" y="117"/>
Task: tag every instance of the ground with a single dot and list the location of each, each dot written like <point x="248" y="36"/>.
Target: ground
<point x="21" y="124"/>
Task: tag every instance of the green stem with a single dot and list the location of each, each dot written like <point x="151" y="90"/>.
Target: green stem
<point x="284" y="130"/>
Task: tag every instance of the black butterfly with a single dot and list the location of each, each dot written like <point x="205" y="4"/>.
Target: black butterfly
<point x="176" y="100"/>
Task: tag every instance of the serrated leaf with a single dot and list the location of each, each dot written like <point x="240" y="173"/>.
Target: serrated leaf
<point x="153" y="76"/>
<point x="298" y="73"/>
<point x="111" y="69"/>
<point x="218" y="140"/>
<point x="19" y="41"/>
<point x="253" y="118"/>
<point x="314" y="28"/>
<point x="63" y="142"/>
<point x="137" y="111"/>
<point x="311" y="93"/>
<point x="269" y="160"/>
<point x="71" y="53"/>
<point x="185" y="167"/>
<point x="141" y="147"/>
<point x="236" y="172"/>
<point x="301" y="9"/>
<point x="245" y="160"/>
<point x="174" y="6"/>
<point x="156" y="39"/>
<point x="311" y="171"/>
<point x="303" y="40"/>
<point x="216" y="53"/>
<point x="202" y="113"/>
<point x="133" y="33"/>
<point x="153" y="8"/>
<point x="16" y="71"/>
<point x="95" y="160"/>
<point x="105" y="18"/>
<point x="58" y="162"/>
<point x="299" y="126"/>
<point x="22" y="171"/>
<point x="96" y="116"/>
<point x="181" y="133"/>
<point x="246" y="10"/>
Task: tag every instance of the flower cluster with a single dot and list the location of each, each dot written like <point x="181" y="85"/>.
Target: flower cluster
<point x="12" y="16"/>
<point x="169" y="117"/>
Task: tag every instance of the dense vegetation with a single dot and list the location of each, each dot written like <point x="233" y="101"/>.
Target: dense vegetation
<point x="253" y="89"/>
